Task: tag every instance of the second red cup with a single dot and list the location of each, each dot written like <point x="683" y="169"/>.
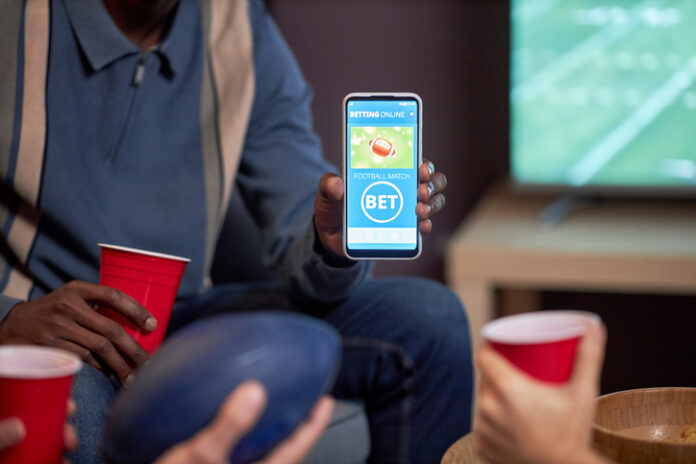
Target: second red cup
<point x="35" y="385"/>
<point x="543" y="344"/>
<point x="152" y="279"/>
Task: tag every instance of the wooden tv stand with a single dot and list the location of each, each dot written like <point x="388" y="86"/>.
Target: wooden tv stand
<point x="504" y="249"/>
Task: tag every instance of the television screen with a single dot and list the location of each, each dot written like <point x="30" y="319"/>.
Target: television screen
<point x="603" y="93"/>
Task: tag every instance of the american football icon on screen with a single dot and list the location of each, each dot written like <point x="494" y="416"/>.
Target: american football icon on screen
<point x="382" y="147"/>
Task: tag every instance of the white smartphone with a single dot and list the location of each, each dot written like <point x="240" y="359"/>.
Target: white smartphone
<point x="381" y="156"/>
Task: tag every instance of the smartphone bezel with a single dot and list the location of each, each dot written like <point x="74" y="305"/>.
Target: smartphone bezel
<point x="385" y="253"/>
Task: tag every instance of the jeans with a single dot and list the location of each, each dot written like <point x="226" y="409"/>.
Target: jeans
<point x="406" y="355"/>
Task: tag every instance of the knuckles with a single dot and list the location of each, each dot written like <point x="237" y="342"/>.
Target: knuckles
<point x="73" y="285"/>
<point x="114" y="331"/>
<point x="55" y="325"/>
<point x="113" y="296"/>
<point x="63" y="306"/>
<point x="85" y="354"/>
<point x="46" y="339"/>
<point x="102" y="347"/>
<point x="487" y="408"/>
<point x="140" y="356"/>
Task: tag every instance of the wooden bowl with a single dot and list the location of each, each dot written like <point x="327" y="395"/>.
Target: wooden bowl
<point x="646" y="426"/>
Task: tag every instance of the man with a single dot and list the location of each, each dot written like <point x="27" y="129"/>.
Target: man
<point x="129" y="122"/>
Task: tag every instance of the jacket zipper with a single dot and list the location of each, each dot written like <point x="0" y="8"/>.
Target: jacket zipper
<point x="138" y="76"/>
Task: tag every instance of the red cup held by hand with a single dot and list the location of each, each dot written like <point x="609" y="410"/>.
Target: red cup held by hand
<point x="35" y="385"/>
<point x="543" y="344"/>
<point x="152" y="279"/>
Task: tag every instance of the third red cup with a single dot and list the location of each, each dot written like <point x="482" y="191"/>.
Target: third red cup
<point x="543" y="344"/>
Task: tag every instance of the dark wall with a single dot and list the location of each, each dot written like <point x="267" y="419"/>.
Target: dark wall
<point x="452" y="53"/>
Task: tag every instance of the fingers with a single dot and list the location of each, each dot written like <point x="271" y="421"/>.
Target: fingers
<point x="424" y="210"/>
<point x="236" y="417"/>
<point x="490" y="448"/>
<point x="427" y="190"/>
<point x="114" y="332"/>
<point x="490" y="408"/>
<point x="101" y="347"/>
<point x="430" y="198"/>
<point x="425" y="226"/>
<point x="70" y="440"/>
<point x="82" y="352"/>
<point x="589" y="359"/>
<point x="117" y="300"/>
<point x="426" y="170"/>
<point x="11" y="432"/>
<point x="295" y="448"/>
<point x="89" y="330"/>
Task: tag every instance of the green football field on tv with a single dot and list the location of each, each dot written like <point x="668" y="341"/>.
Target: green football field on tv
<point x="603" y="93"/>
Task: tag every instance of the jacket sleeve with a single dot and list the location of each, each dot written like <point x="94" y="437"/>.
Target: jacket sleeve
<point x="280" y="170"/>
<point x="6" y="304"/>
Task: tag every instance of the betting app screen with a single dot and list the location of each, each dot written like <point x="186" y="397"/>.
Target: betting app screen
<point x="382" y="175"/>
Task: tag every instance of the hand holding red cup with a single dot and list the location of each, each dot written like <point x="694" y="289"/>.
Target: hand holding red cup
<point x="520" y="418"/>
<point x="35" y="385"/>
<point x="152" y="279"/>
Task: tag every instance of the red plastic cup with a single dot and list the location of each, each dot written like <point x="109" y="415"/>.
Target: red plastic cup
<point x="35" y="385"/>
<point x="152" y="279"/>
<point x="542" y="344"/>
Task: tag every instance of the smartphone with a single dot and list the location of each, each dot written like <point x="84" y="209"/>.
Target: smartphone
<point x="381" y="156"/>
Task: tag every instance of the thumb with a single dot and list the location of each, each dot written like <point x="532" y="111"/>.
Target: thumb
<point x="589" y="358"/>
<point x="331" y="187"/>
<point x="236" y="417"/>
<point x="11" y="432"/>
<point x="496" y="371"/>
<point x="328" y="205"/>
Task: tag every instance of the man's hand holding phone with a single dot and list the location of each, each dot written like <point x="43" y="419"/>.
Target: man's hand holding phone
<point x="328" y="205"/>
<point x="431" y="200"/>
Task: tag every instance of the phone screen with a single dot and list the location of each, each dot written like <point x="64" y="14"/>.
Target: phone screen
<point x="382" y="156"/>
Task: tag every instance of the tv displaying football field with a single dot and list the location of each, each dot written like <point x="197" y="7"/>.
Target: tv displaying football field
<point x="603" y="93"/>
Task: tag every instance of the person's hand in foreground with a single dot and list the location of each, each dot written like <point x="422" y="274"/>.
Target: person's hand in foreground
<point x="66" y="319"/>
<point x="328" y="205"/>
<point x="12" y="432"/>
<point x="236" y="417"/>
<point x="521" y="420"/>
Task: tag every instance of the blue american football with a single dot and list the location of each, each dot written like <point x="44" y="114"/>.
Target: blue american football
<point x="180" y="390"/>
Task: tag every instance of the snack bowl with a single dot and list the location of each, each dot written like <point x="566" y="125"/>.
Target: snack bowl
<point x="649" y="425"/>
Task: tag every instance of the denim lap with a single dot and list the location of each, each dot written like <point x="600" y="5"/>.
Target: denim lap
<point x="406" y="355"/>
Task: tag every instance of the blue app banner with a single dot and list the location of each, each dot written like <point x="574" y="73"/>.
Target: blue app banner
<point x="382" y="174"/>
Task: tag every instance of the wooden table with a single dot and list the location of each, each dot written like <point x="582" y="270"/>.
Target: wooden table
<point x="503" y="256"/>
<point x="462" y="452"/>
